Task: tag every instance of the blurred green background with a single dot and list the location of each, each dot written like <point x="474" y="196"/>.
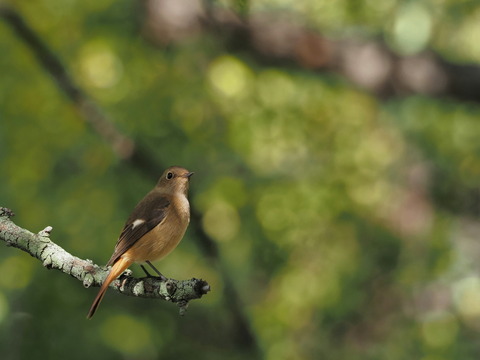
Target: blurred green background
<point x="346" y="222"/>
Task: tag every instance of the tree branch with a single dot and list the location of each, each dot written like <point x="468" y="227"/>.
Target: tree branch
<point x="53" y="256"/>
<point x="122" y="145"/>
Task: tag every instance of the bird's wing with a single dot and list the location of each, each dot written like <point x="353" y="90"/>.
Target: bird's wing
<point x="150" y="212"/>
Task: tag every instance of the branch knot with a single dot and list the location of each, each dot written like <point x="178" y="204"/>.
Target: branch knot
<point x="46" y="232"/>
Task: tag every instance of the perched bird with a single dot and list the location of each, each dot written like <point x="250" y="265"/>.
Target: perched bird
<point x="153" y="230"/>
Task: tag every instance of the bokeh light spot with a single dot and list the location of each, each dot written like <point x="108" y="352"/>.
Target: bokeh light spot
<point x="466" y="294"/>
<point x="229" y="76"/>
<point x="412" y="28"/>
<point x="221" y="221"/>
<point x="99" y="65"/>
<point x="439" y="329"/>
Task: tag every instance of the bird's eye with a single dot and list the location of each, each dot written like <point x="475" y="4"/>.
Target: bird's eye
<point x="169" y="175"/>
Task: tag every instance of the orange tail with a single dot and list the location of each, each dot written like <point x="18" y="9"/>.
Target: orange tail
<point x="117" y="269"/>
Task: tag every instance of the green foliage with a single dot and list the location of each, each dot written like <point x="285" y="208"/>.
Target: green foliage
<point x="347" y="223"/>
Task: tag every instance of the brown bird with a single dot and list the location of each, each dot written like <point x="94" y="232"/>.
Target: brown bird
<point x="153" y="230"/>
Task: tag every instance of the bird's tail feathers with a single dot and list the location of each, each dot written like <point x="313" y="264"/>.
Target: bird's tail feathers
<point x="117" y="269"/>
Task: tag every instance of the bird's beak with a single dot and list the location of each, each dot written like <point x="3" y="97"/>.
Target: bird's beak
<point x="187" y="175"/>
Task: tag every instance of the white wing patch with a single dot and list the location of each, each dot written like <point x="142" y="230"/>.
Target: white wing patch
<point x="137" y="222"/>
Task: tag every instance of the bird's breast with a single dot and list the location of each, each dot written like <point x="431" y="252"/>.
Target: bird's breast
<point x="166" y="235"/>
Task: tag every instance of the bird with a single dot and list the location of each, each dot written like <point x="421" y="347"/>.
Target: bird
<point x="154" y="228"/>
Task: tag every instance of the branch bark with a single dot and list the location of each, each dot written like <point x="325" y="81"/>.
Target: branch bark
<point x="53" y="256"/>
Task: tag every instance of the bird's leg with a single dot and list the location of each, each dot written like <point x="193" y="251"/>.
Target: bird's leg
<point x="146" y="272"/>
<point x="162" y="277"/>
